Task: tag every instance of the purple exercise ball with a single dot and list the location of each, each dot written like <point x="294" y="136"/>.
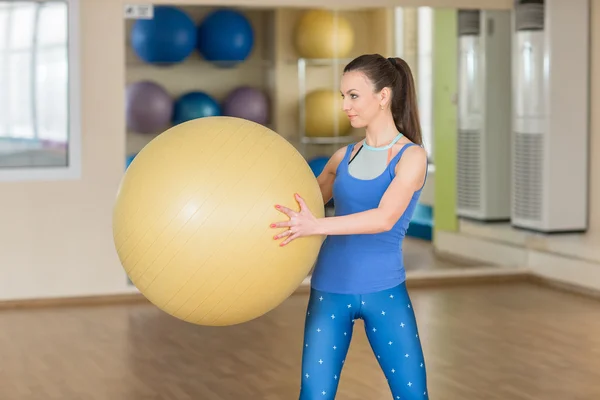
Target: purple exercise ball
<point x="247" y="103"/>
<point x="149" y="107"/>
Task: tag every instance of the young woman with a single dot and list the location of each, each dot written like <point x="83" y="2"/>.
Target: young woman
<point x="376" y="184"/>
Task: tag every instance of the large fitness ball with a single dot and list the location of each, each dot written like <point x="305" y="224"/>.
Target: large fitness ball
<point x="248" y="103"/>
<point x="194" y="105"/>
<point x="192" y="215"/>
<point x="168" y="38"/>
<point x="323" y="34"/>
<point x="148" y="107"/>
<point x="324" y="114"/>
<point x="225" y="37"/>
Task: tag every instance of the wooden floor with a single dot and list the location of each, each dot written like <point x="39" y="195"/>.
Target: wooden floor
<point x="514" y="341"/>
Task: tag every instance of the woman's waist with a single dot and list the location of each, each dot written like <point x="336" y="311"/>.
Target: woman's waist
<point x="352" y="255"/>
<point x="376" y="243"/>
<point x="356" y="266"/>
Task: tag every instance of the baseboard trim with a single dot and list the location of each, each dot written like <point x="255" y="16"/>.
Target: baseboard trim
<point x="416" y="280"/>
<point x="467" y="276"/>
<point x="75" y="301"/>
<point x="564" y="286"/>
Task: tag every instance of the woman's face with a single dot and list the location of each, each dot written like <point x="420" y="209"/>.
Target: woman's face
<point x="359" y="100"/>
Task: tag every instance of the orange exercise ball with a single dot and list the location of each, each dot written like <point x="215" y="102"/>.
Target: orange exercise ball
<point x="323" y="34"/>
<point x="323" y="113"/>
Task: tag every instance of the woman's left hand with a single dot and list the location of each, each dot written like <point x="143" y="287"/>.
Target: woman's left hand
<point x="301" y="223"/>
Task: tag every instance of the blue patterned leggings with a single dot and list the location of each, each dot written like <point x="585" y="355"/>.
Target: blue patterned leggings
<point x="391" y="329"/>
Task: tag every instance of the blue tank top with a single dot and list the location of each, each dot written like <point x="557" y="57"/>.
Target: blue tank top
<point x="363" y="263"/>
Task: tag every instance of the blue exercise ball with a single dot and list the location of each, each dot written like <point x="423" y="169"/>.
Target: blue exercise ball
<point x="194" y="105"/>
<point x="225" y="37"/>
<point x="129" y="160"/>
<point x="317" y="165"/>
<point x="168" y="38"/>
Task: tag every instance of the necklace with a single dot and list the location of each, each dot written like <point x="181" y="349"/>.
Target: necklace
<point x="387" y="146"/>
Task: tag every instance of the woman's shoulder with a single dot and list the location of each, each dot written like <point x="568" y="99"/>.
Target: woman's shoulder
<point x="341" y="152"/>
<point x="412" y="153"/>
<point x="335" y="159"/>
<point x="408" y="146"/>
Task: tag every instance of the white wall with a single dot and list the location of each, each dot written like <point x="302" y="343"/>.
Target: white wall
<point x="594" y="190"/>
<point x="56" y="237"/>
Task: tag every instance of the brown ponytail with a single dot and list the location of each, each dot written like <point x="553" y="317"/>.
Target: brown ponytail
<point x="395" y="74"/>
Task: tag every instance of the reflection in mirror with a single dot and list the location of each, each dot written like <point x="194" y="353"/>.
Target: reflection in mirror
<point x="484" y="115"/>
<point x="34" y="101"/>
<point x="284" y="71"/>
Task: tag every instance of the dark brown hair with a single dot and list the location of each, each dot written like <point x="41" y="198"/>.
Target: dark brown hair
<point x="395" y="74"/>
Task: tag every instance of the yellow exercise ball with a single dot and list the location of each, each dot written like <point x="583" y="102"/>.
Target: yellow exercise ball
<point x="323" y="34"/>
<point x="323" y="109"/>
<point x="192" y="215"/>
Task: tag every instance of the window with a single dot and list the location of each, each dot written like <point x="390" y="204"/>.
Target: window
<point x="425" y="77"/>
<point x="424" y="66"/>
<point x="36" y="128"/>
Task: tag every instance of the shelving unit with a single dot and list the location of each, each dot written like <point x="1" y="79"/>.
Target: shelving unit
<point x="274" y="66"/>
<point x="197" y="74"/>
<point x="303" y="64"/>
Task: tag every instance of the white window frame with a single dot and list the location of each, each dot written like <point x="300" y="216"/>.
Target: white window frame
<point x="73" y="169"/>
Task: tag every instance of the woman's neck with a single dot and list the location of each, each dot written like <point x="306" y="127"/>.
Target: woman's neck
<point x="381" y="131"/>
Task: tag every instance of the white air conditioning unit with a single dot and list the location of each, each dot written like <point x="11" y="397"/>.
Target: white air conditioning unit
<point x="550" y="115"/>
<point x="484" y="115"/>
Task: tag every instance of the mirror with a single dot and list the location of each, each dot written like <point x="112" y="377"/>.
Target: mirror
<point x="283" y="70"/>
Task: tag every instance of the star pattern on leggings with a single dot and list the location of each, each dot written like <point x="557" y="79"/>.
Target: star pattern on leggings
<point x="322" y="362"/>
